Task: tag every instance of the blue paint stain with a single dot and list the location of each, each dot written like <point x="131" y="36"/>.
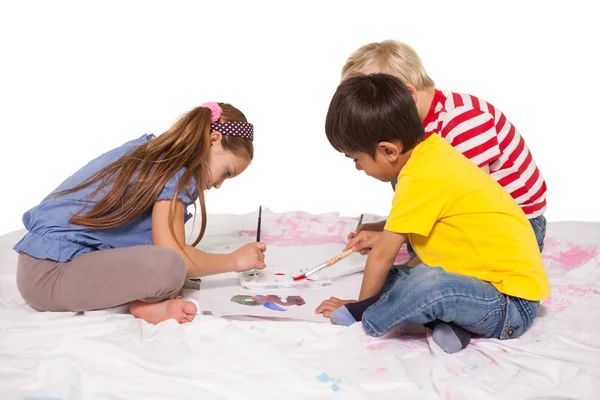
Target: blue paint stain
<point x="274" y="307"/>
<point x="324" y="378"/>
<point x="257" y="328"/>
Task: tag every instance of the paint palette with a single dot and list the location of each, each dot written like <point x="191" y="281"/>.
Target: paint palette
<point x="266" y="279"/>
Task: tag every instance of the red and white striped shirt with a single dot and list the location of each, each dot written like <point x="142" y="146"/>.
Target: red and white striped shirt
<point x="482" y="133"/>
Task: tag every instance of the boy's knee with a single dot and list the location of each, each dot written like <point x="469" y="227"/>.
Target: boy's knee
<point x="429" y="280"/>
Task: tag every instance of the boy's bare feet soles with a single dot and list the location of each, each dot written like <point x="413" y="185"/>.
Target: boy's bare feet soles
<point x="154" y="313"/>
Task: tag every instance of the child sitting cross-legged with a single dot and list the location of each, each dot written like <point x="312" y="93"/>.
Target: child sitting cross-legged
<point x="479" y="270"/>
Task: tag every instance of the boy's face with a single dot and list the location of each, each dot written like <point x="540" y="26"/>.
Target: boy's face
<point x="387" y="163"/>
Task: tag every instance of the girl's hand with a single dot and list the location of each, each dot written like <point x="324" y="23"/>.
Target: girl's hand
<point x="250" y="256"/>
<point x="364" y="242"/>
<point x="329" y="306"/>
<point x="370" y="227"/>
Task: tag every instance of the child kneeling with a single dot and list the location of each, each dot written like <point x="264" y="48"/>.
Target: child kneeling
<point x="478" y="269"/>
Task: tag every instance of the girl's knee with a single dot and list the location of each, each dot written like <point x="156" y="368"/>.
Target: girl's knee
<point x="169" y="269"/>
<point x="29" y="284"/>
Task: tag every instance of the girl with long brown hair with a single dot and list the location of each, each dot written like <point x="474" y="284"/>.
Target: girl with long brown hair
<point x="113" y="233"/>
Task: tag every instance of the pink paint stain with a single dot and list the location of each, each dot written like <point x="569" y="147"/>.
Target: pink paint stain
<point x="574" y="257"/>
<point x="300" y="240"/>
<point x="378" y="346"/>
<point x="557" y="304"/>
<point x="453" y="396"/>
<point x="461" y="371"/>
<point x="301" y="229"/>
<point x="291" y="238"/>
<point x="411" y="341"/>
<point x="375" y="372"/>
<point x="578" y="291"/>
<point x="402" y="256"/>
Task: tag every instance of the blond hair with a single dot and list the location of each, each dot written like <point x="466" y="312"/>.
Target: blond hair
<point x="389" y="57"/>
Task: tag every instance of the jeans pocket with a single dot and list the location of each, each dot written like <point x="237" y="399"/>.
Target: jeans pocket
<point x="520" y="314"/>
<point x="488" y="326"/>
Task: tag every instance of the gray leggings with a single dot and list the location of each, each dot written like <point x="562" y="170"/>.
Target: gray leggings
<point x="101" y="279"/>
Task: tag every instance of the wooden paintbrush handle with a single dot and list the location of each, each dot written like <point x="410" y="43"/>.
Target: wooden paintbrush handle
<point x="337" y="258"/>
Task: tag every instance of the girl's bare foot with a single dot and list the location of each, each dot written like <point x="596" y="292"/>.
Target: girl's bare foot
<point x="154" y="313"/>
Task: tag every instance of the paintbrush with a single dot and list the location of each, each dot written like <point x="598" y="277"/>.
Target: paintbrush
<point x="326" y="264"/>
<point x="329" y="262"/>
<point x="258" y="234"/>
<point x="359" y="222"/>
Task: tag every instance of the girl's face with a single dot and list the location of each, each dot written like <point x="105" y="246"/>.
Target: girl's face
<point x="223" y="164"/>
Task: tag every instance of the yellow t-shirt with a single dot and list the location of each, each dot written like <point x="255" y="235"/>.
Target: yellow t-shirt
<point x="459" y="218"/>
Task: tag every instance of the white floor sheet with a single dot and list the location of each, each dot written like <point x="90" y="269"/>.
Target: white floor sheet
<point x="108" y="354"/>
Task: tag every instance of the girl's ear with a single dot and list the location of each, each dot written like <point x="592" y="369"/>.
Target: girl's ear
<point x="215" y="138"/>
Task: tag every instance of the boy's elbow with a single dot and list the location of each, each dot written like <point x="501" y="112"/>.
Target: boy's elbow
<point x="382" y="256"/>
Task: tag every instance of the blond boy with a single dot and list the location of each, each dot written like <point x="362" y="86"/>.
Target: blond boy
<point x="474" y="127"/>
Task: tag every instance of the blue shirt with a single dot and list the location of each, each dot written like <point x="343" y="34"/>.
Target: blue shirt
<point x="51" y="236"/>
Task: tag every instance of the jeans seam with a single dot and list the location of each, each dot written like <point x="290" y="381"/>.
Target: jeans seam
<point x="496" y="311"/>
<point x="417" y="312"/>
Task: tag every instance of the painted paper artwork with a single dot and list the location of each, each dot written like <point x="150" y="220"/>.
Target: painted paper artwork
<point x="296" y="242"/>
<point x="271" y="301"/>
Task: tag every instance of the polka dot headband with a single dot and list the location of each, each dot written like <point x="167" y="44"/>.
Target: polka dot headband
<point x="237" y="128"/>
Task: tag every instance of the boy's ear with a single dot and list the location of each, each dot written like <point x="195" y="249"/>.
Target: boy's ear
<point x="412" y="90"/>
<point x="390" y="151"/>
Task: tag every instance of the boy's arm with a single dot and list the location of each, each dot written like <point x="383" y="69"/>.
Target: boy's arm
<point x="414" y="262"/>
<point x="379" y="262"/>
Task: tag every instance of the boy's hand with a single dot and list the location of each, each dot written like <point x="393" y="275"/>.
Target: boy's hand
<point x="364" y="242"/>
<point x="371" y="227"/>
<point x="327" y="307"/>
<point x="250" y="256"/>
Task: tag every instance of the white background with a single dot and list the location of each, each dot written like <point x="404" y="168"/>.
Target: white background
<point x="79" y="78"/>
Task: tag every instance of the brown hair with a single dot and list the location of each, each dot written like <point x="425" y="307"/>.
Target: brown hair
<point x="135" y="180"/>
<point x="368" y="109"/>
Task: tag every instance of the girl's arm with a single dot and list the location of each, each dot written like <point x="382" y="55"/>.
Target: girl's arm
<point x="198" y="263"/>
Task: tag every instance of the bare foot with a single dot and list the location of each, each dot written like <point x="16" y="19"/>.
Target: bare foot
<point x="154" y="313"/>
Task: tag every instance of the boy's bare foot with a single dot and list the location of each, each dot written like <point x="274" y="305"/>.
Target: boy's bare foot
<point x="154" y="313"/>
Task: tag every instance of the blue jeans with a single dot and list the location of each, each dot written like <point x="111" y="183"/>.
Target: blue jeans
<point x="426" y="294"/>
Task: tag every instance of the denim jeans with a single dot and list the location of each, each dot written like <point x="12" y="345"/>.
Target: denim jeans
<point x="426" y="294"/>
<point x="538" y="224"/>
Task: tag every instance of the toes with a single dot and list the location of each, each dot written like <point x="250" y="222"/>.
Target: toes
<point x="189" y="308"/>
<point x="188" y="318"/>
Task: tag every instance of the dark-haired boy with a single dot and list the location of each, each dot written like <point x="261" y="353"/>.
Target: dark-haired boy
<point x="480" y="270"/>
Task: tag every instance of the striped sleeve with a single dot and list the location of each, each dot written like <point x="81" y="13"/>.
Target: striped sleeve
<point x="473" y="133"/>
